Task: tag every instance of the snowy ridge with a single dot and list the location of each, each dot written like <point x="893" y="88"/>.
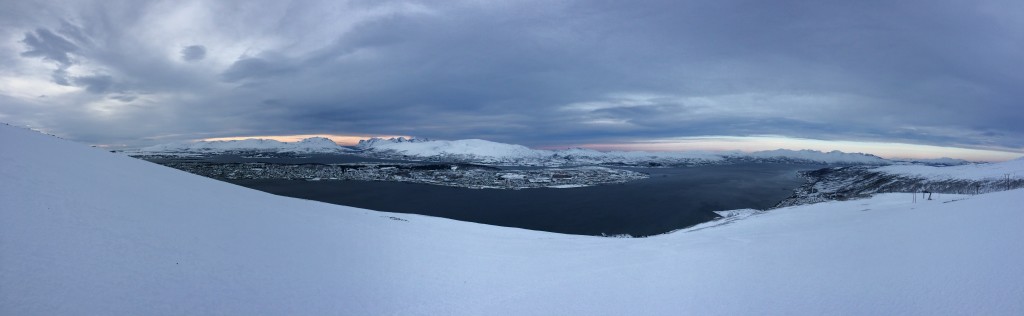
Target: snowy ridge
<point x="633" y="157"/>
<point x="832" y="157"/>
<point x="308" y="145"/>
<point x="104" y="234"/>
<point x="377" y="141"/>
<point x="980" y="171"/>
<point x="861" y="181"/>
<point x="938" y="162"/>
<point x="468" y="148"/>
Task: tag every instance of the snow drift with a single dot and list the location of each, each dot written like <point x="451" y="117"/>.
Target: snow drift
<point x="87" y="232"/>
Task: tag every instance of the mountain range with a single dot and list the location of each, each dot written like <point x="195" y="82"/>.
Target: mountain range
<point x="488" y="152"/>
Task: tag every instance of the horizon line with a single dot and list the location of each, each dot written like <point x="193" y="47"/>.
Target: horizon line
<point x="718" y="143"/>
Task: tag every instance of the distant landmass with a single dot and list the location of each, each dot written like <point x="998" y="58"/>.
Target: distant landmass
<point x="494" y="153"/>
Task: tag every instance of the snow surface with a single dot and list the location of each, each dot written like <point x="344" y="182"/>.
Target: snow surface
<point x="982" y="171"/>
<point x="308" y="145"/>
<point x="87" y="232"/>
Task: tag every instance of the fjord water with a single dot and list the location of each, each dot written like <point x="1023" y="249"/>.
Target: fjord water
<point x="672" y="198"/>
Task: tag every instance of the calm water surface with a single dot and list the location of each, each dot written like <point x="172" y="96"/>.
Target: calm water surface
<point x="672" y="198"/>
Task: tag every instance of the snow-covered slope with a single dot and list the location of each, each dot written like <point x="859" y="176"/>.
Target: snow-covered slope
<point x="1013" y="168"/>
<point x="859" y="181"/>
<point x="87" y="232"/>
<point x="308" y="145"/>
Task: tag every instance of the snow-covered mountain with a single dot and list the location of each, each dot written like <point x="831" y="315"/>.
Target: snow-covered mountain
<point x="377" y="141"/>
<point x="482" y="151"/>
<point x="938" y="162"/>
<point x="861" y="181"/>
<point x="87" y="232"/>
<point x="814" y="156"/>
<point x="590" y="156"/>
<point x="465" y="149"/>
<point x="978" y="171"/>
<point x="488" y="152"/>
<point x="308" y="145"/>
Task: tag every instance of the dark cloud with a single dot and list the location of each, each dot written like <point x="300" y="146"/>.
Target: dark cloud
<point x="48" y="45"/>
<point x="44" y="43"/>
<point x="193" y="53"/>
<point x="256" y="68"/>
<point x="543" y="72"/>
<point x="60" y="76"/>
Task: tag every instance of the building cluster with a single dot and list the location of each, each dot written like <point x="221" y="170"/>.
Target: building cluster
<point x="455" y="175"/>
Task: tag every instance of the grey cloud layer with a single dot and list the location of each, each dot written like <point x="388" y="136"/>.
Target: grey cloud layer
<point x="193" y="53"/>
<point x="538" y="73"/>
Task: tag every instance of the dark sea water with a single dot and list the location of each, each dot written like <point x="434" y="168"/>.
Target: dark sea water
<point x="672" y="198"/>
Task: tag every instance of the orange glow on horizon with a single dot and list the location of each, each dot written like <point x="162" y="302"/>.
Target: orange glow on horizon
<point x="343" y="140"/>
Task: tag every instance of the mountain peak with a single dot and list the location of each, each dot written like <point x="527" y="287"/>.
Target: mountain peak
<point x="376" y="141"/>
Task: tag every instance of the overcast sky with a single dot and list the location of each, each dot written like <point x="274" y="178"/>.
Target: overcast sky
<point x="538" y="73"/>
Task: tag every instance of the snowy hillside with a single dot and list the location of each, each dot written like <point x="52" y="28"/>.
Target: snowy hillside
<point x="87" y="232"/>
<point x="1013" y="168"/>
<point x="859" y="181"/>
<point x="308" y="145"/>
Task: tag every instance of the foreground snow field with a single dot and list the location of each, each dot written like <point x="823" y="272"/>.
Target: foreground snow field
<point x="87" y="232"/>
